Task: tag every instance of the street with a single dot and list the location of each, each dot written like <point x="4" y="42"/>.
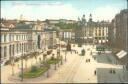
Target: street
<point x="77" y="70"/>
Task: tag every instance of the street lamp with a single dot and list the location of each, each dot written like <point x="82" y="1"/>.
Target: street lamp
<point x="65" y="55"/>
<point x="58" y="56"/>
<point x="12" y="64"/>
<point x="48" y="66"/>
<point x="22" y="67"/>
<point x="55" y="65"/>
<point x="61" y="60"/>
<point x="22" y="70"/>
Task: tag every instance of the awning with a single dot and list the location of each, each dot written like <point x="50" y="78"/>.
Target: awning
<point x="121" y="54"/>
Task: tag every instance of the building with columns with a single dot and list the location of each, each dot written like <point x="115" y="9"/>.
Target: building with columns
<point x="50" y="38"/>
<point x="23" y="38"/>
<point x="67" y="35"/>
<point x="101" y="32"/>
<point x="91" y="32"/>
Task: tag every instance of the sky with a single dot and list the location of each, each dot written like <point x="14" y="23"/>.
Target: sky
<point x="62" y="9"/>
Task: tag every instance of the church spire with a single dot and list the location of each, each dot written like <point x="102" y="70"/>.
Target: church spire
<point x="90" y="17"/>
<point x="83" y="19"/>
<point x="21" y="17"/>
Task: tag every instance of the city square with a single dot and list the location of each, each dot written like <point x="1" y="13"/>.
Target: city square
<point x="89" y="49"/>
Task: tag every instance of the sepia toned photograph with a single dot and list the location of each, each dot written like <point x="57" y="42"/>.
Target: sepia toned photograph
<point x="63" y="41"/>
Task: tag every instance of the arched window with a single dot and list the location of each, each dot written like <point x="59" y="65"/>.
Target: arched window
<point x="17" y="48"/>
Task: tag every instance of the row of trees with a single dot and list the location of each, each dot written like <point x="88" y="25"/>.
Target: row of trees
<point x="66" y="25"/>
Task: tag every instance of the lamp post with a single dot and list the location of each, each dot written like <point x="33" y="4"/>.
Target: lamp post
<point x="61" y="60"/>
<point x="55" y="65"/>
<point x="12" y="64"/>
<point x="22" y="67"/>
<point x="61" y="56"/>
<point x="48" y="66"/>
<point x="58" y="56"/>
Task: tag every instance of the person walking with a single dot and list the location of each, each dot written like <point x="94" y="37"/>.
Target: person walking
<point x="91" y="53"/>
<point x="89" y="60"/>
<point x="95" y="72"/>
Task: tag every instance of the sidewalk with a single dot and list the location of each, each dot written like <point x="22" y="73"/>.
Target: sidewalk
<point x="75" y="69"/>
<point x="6" y="71"/>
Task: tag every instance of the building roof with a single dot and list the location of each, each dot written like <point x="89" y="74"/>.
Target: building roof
<point x="49" y="30"/>
<point x="22" y="26"/>
<point x="67" y="30"/>
<point x="8" y="24"/>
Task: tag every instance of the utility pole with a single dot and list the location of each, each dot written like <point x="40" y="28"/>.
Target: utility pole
<point x="59" y="51"/>
<point x="22" y="65"/>
<point x="12" y="64"/>
<point x="65" y="55"/>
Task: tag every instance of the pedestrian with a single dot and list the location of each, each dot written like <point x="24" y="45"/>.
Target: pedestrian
<point x="86" y="60"/>
<point x="114" y="71"/>
<point x="123" y="67"/>
<point x="91" y="53"/>
<point x="95" y="58"/>
<point x="111" y="71"/>
<point x="95" y="72"/>
<point x="89" y="60"/>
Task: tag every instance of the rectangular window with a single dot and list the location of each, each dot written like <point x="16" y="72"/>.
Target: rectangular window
<point x="0" y="38"/>
<point x="5" y="54"/>
<point x="12" y="37"/>
<point x="17" y="37"/>
<point x="17" y="48"/>
<point x="96" y="33"/>
<point x="103" y="32"/>
<point x="5" y="38"/>
<point x="22" y="37"/>
<point x="9" y="37"/>
<point x="1" y="52"/>
<point x="10" y="51"/>
<point x="99" y="32"/>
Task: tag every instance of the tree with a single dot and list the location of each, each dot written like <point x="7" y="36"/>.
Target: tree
<point x="26" y="59"/>
<point x="62" y="25"/>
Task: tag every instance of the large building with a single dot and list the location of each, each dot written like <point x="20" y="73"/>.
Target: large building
<point x="19" y="39"/>
<point x="118" y="38"/>
<point x="50" y="38"/>
<point x="67" y="35"/>
<point x="91" y="32"/>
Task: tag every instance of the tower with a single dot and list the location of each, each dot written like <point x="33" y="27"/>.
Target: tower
<point x="21" y="17"/>
<point x="90" y="17"/>
<point x="83" y="20"/>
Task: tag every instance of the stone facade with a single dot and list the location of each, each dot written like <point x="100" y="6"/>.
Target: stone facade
<point x="118" y="38"/>
<point x="67" y="35"/>
<point x="91" y="32"/>
<point x="23" y="38"/>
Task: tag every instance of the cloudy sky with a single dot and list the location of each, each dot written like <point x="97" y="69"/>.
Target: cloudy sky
<point x="62" y="9"/>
